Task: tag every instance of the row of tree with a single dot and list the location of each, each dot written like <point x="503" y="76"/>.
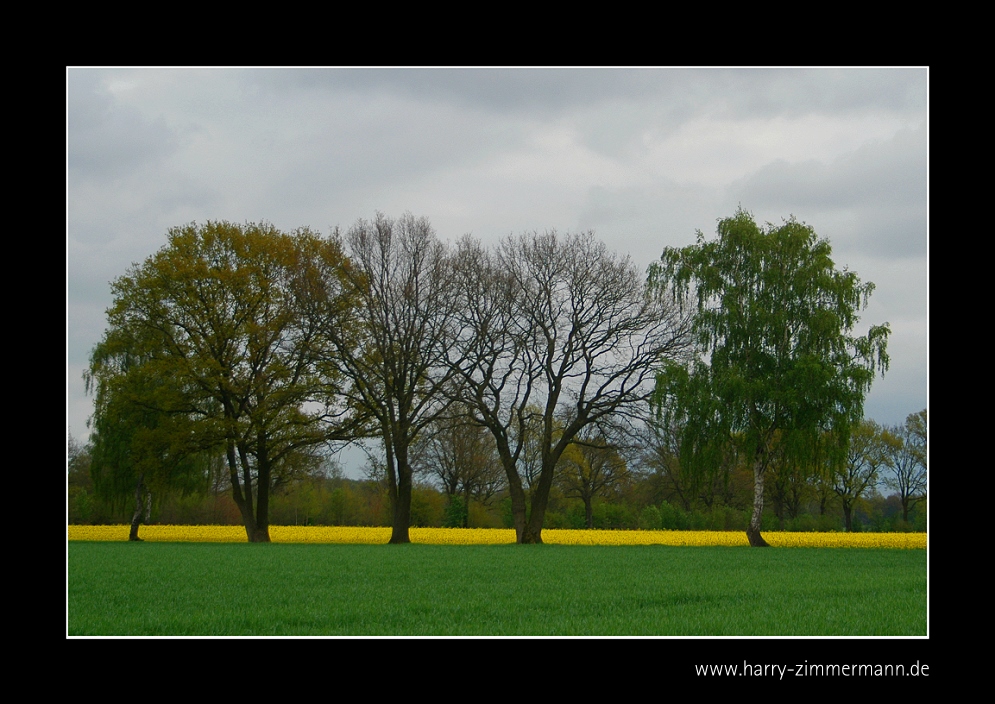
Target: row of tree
<point x="459" y="482"/>
<point x="462" y="461"/>
<point x="263" y="347"/>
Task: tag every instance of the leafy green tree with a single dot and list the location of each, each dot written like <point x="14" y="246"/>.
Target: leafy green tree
<point x="775" y="319"/>
<point x="79" y="484"/>
<point x="221" y="316"/>
<point x="692" y="487"/>
<point x="788" y="485"/>
<point x="907" y="462"/>
<point x="138" y="448"/>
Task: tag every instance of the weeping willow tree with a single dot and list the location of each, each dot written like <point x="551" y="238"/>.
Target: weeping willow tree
<point x="779" y="365"/>
<point x="138" y="449"/>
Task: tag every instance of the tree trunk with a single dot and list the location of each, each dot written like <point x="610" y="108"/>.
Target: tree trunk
<point x="519" y="515"/>
<point x="533" y="527"/>
<point x="136" y="518"/>
<point x="589" y="513"/>
<point x="540" y="500"/>
<point x="391" y="472"/>
<point x="402" y="506"/>
<point x="244" y="506"/>
<point x="515" y="491"/>
<point x="263" y="475"/>
<point x="847" y="517"/>
<point x="753" y="530"/>
<point x="531" y="535"/>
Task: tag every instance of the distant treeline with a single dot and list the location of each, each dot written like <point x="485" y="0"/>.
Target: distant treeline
<point x="642" y="500"/>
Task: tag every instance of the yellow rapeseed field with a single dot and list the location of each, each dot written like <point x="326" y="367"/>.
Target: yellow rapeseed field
<point x="491" y="536"/>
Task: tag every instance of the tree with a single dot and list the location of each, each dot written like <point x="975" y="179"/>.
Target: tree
<point x="775" y="319"/>
<point x="221" y="314"/>
<point x="868" y="450"/>
<point x="590" y="467"/>
<point x="79" y="484"/>
<point x="396" y="361"/>
<point x="788" y="489"/>
<point x="557" y="334"/>
<point x="138" y="448"/>
<point x="463" y="459"/>
<point x="659" y="460"/>
<point x="788" y="484"/>
<point x="907" y="461"/>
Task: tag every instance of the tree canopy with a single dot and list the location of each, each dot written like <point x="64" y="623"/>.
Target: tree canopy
<point x="557" y="334"/>
<point x="867" y="452"/>
<point x="259" y="346"/>
<point x="907" y="462"/>
<point x="217" y="316"/>
<point x="137" y="447"/>
<point x="405" y="307"/>
<point x="774" y="321"/>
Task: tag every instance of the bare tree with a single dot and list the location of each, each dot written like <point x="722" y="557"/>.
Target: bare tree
<point x="591" y="467"/>
<point x="867" y="452"/>
<point x="907" y="461"/>
<point x="396" y="362"/>
<point x="558" y="332"/>
<point x="462" y="458"/>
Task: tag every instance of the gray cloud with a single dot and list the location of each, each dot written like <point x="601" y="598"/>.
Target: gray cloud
<point x="643" y="156"/>
<point x="880" y="189"/>
<point x="108" y="141"/>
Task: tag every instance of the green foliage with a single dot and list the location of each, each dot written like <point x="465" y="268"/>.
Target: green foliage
<point x="808" y="522"/>
<point x="650" y="519"/>
<point x="213" y="343"/>
<point x="427" y="507"/>
<point x="137" y="442"/>
<point x="589" y="469"/>
<point x="727" y="518"/>
<point x="571" y="520"/>
<point x="455" y="513"/>
<point x="671" y="517"/>
<point x="775" y="318"/>
<point x="80" y="507"/>
<point x="856" y="475"/>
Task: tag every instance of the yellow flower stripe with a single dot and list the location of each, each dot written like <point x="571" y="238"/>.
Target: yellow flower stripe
<point x="491" y="536"/>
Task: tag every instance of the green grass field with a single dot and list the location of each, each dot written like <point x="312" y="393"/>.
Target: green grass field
<point x="422" y="590"/>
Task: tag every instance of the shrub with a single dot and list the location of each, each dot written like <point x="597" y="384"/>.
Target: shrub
<point x="698" y="520"/>
<point x="649" y="518"/>
<point x="614" y="517"/>
<point x="454" y="513"/>
<point x="672" y="517"/>
<point x="426" y="507"/>
<point x="557" y="520"/>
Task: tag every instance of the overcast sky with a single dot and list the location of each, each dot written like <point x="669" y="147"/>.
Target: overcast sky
<point x="644" y="157"/>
